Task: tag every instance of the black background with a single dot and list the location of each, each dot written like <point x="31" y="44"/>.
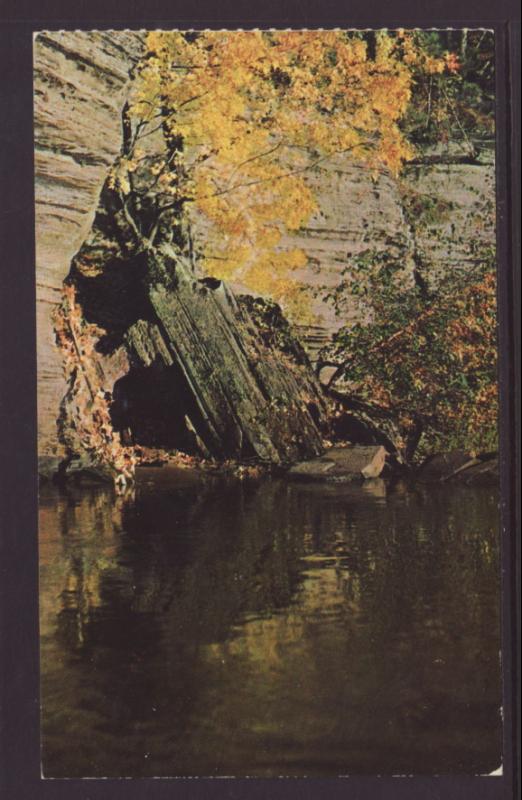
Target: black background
<point x="19" y="710"/>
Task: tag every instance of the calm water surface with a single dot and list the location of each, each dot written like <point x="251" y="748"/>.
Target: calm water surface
<point x="209" y="627"/>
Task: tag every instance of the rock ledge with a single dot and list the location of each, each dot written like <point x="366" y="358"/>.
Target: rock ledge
<point x="342" y="464"/>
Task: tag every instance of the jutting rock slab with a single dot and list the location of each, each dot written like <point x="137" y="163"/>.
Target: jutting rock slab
<point x="158" y="355"/>
<point x="462" y="467"/>
<point x="342" y="464"/>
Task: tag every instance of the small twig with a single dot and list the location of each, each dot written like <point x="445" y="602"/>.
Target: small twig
<point x="153" y="130"/>
<point x="191" y="99"/>
<point x="254" y="158"/>
<point x="428" y="115"/>
<point x="457" y="120"/>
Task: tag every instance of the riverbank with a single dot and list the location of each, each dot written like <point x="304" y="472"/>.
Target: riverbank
<point x="338" y="463"/>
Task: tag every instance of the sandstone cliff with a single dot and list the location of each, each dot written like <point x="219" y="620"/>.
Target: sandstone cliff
<point x="80" y="84"/>
<point x="81" y="81"/>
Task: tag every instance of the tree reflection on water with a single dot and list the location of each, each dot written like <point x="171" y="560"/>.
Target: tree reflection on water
<point x="206" y="627"/>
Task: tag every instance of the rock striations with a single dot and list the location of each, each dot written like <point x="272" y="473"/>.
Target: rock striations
<point x="80" y="84"/>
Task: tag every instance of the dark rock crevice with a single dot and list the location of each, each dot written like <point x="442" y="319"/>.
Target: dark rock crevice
<point x="114" y="299"/>
<point x="153" y="407"/>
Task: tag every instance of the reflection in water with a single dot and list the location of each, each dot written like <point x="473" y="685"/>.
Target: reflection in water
<point x="209" y="627"/>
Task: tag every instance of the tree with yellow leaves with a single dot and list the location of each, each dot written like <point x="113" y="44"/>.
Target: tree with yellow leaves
<point x="243" y="115"/>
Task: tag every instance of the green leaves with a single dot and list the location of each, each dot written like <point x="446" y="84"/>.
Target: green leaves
<point x="425" y="359"/>
<point x="458" y="104"/>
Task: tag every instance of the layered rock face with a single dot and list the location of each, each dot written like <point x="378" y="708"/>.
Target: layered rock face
<point x="356" y="213"/>
<point x="449" y="202"/>
<point x="439" y="212"/>
<point x="80" y="84"/>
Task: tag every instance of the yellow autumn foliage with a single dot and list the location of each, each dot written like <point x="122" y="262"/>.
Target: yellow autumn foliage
<point x="254" y="111"/>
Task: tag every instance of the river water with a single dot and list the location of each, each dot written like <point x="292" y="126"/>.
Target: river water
<point x="201" y="626"/>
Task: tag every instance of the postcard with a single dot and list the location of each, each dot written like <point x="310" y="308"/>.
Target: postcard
<point x="267" y="396"/>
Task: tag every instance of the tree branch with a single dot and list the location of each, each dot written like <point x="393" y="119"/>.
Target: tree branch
<point x="129" y="218"/>
<point x="254" y="158"/>
<point x="286" y="174"/>
<point x="379" y="345"/>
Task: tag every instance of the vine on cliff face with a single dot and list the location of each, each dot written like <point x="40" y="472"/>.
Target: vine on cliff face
<point x="85" y="423"/>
